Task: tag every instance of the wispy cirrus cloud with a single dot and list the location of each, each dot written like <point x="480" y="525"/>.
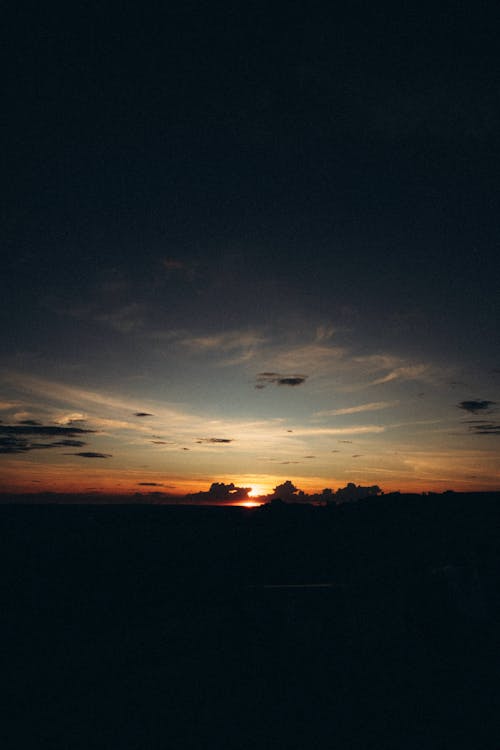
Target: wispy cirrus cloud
<point x="288" y="356"/>
<point x="408" y="372"/>
<point x="103" y="307"/>
<point x="62" y="393"/>
<point x="355" y="430"/>
<point x="372" y="406"/>
<point x="326" y="359"/>
<point x="126" y="319"/>
<point x="71" y="418"/>
<point x="318" y="357"/>
<point x="236" y="346"/>
<point x="7" y="405"/>
<point x="103" y="412"/>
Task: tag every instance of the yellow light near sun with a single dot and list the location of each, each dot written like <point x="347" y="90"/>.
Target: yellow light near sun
<point x="257" y="490"/>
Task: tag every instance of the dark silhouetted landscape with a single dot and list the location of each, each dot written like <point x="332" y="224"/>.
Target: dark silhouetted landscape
<point x="370" y="624"/>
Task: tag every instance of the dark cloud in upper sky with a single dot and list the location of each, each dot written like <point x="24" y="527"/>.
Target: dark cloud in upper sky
<point x="485" y="428"/>
<point x="268" y="378"/>
<point x="91" y="454"/>
<point x="150" y="484"/>
<point x="42" y="430"/>
<point x="23" y="445"/>
<point x="215" y="440"/>
<point x="69" y="443"/>
<point x="143" y="414"/>
<point x="476" y="406"/>
<point x="15" y="445"/>
<point x="19" y="438"/>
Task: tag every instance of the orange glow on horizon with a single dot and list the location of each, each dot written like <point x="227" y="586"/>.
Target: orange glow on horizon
<point x="32" y="475"/>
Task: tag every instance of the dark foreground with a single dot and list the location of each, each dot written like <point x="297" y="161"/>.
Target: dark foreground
<point x="162" y="627"/>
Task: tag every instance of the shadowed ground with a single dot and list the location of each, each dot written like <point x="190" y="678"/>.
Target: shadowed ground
<point x="145" y="627"/>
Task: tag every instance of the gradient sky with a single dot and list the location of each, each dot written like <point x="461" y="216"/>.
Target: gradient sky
<point x="249" y="246"/>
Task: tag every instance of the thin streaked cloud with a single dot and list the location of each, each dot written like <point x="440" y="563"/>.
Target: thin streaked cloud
<point x="373" y="406"/>
<point x="356" y="430"/>
<point x="237" y="347"/>
<point x="409" y="372"/>
<point x="62" y="393"/>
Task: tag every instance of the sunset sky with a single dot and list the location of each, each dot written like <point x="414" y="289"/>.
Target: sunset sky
<point x="246" y="247"/>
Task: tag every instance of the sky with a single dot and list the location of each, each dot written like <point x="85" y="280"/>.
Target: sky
<point x="250" y="244"/>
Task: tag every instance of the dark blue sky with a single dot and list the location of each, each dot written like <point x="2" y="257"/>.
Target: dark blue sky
<point x="184" y="174"/>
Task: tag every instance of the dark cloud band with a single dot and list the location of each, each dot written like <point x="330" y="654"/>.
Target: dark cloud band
<point x="476" y="405"/>
<point x="215" y="440"/>
<point x="275" y="378"/>
<point x="23" y="438"/>
<point x="42" y="431"/>
<point x="91" y="454"/>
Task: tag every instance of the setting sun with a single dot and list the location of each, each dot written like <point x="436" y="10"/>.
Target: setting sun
<point x="257" y="491"/>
